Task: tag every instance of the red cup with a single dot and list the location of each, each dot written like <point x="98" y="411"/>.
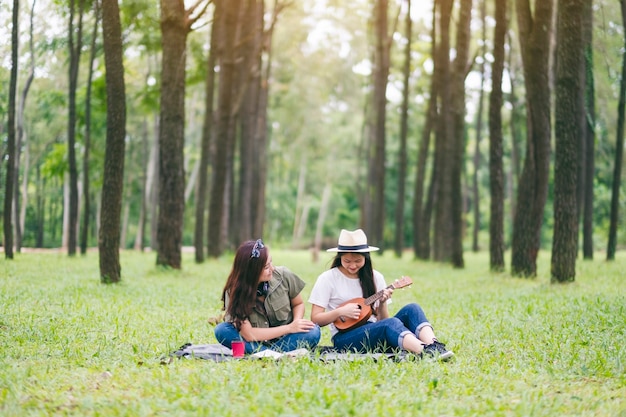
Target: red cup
<point x="238" y="348"/>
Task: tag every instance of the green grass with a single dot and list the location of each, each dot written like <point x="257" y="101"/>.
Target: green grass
<point x="72" y="346"/>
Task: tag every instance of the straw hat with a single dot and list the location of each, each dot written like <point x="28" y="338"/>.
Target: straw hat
<point x="352" y="241"/>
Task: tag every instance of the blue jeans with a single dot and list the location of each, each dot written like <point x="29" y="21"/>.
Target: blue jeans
<point x="226" y="332"/>
<point x="383" y="335"/>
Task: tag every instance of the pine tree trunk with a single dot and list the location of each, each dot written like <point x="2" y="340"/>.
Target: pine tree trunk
<point x="461" y="65"/>
<point x="496" y="174"/>
<point x="174" y="32"/>
<point x="10" y="163"/>
<point x="442" y="240"/>
<point x="619" y="153"/>
<point x="588" y="153"/>
<point x="402" y="154"/>
<point x="421" y="219"/>
<point x="223" y="129"/>
<point x="207" y="133"/>
<point x="113" y="181"/>
<point x="535" y="39"/>
<point x="84" y="238"/>
<point x="569" y="118"/>
<point x="75" y="46"/>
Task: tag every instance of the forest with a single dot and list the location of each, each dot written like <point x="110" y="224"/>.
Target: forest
<point x="437" y="126"/>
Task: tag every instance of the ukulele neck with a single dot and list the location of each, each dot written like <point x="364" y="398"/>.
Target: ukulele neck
<point x="373" y="298"/>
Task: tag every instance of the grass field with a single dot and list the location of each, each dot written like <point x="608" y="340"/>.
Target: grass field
<point x="72" y="346"/>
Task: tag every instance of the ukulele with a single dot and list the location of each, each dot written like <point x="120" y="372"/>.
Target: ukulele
<point x="365" y="304"/>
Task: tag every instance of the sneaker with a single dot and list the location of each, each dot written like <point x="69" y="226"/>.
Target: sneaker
<point x="438" y="351"/>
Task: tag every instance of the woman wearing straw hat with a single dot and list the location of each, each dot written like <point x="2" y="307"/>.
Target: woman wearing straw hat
<point x="343" y="295"/>
<point x="264" y="305"/>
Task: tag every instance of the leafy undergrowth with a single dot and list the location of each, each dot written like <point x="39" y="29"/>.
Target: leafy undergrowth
<point x="72" y="346"/>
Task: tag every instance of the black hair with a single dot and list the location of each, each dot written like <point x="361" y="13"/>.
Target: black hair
<point x="366" y="273"/>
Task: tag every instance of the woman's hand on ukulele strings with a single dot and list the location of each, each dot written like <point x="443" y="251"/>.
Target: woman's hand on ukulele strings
<point x="350" y="310"/>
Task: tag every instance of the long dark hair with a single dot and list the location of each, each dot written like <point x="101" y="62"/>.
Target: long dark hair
<point x="243" y="280"/>
<point x="366" y="273"/>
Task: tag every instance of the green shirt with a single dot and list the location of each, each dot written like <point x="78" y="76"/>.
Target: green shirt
<point x="283" y="287"/>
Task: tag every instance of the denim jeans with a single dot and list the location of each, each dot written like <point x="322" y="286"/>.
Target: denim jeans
<point x="227" y="332"/>
<point x="383" y="335"/>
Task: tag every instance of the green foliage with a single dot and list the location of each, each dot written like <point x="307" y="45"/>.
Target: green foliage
<point x="320" y="63"/>
<point x="72" y="346"/>
<point x="55" y="164"/>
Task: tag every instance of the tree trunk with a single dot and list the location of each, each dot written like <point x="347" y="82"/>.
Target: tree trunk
<point x="588" y="153"/>
<point x="326" y="194"/>
<point x="86" y="192"/>
<point x="515" y="121"/>
<point x="19" y="217"/>
<point x="224" y="124"/>
<point x="250" y="79"/>
<point x="619" y="153"/>
<point x="152" y="186"/>
<point x="174" y="32"/>
<point x="479" y="129"/>
<point x="421" y="220"/>
<point x="569" y="118"/>
<point x="442" y="245"/>
<point x="40" y="207"/>
<point x="535" y="36"/>
<point x="376" y="160"/>
<point x="404" y="122"/>
<point x="75" y="46"/>
<point x="10" y="161"/>
<point x="207" y="132"/>
<point x="461" y="68"/>
<point x="261" y="140"/>
<point x="113" y="181"/>
<point x="140" y="243"/>
<point x="496" y="175"/>
<point x="299" y="220"/>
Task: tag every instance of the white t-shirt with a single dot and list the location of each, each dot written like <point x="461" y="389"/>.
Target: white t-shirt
<point x="333" y="288"/>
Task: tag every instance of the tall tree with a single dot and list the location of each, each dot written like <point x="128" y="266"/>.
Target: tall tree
<point x="441" y="178"/>
<point x="569" y="118"/>
<point x="224" y="128"/>
<point x="249" y="75"/>
<point x="261" y="129"/>
<point x="461" y="68"/>
<point x="113" y="181"/>
<point x="75" y="44"/>
<point x="84" y="236"/>
<point x="207" y="132"/>
<point x="449" y="149"/>
<point x="479" y="129"/>
<point x="8" y="193"/>
<point x="496" y="174"/>
<point x="535" y="33"/>
<point x="176" y="23"/>
<point x="421" y="212"/>
<point x="21" y="143"/>
<point x="404" y="123"/>
<point x="589" y="136"/>
<point x="373" y="213"/>
<point x="619" y="152"/>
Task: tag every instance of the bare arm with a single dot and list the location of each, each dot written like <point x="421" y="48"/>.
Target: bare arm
<point x="297" y="306"/>
<point x="382" y="312"/>
<point x="322" y="317"/>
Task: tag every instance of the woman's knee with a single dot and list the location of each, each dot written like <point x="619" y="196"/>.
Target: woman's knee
<point x="394" y="325"/>
<point x="313" y="336"/>
<point x="224" y="331"/>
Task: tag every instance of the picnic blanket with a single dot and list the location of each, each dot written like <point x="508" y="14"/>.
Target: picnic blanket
<point x="218" y="353"/>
